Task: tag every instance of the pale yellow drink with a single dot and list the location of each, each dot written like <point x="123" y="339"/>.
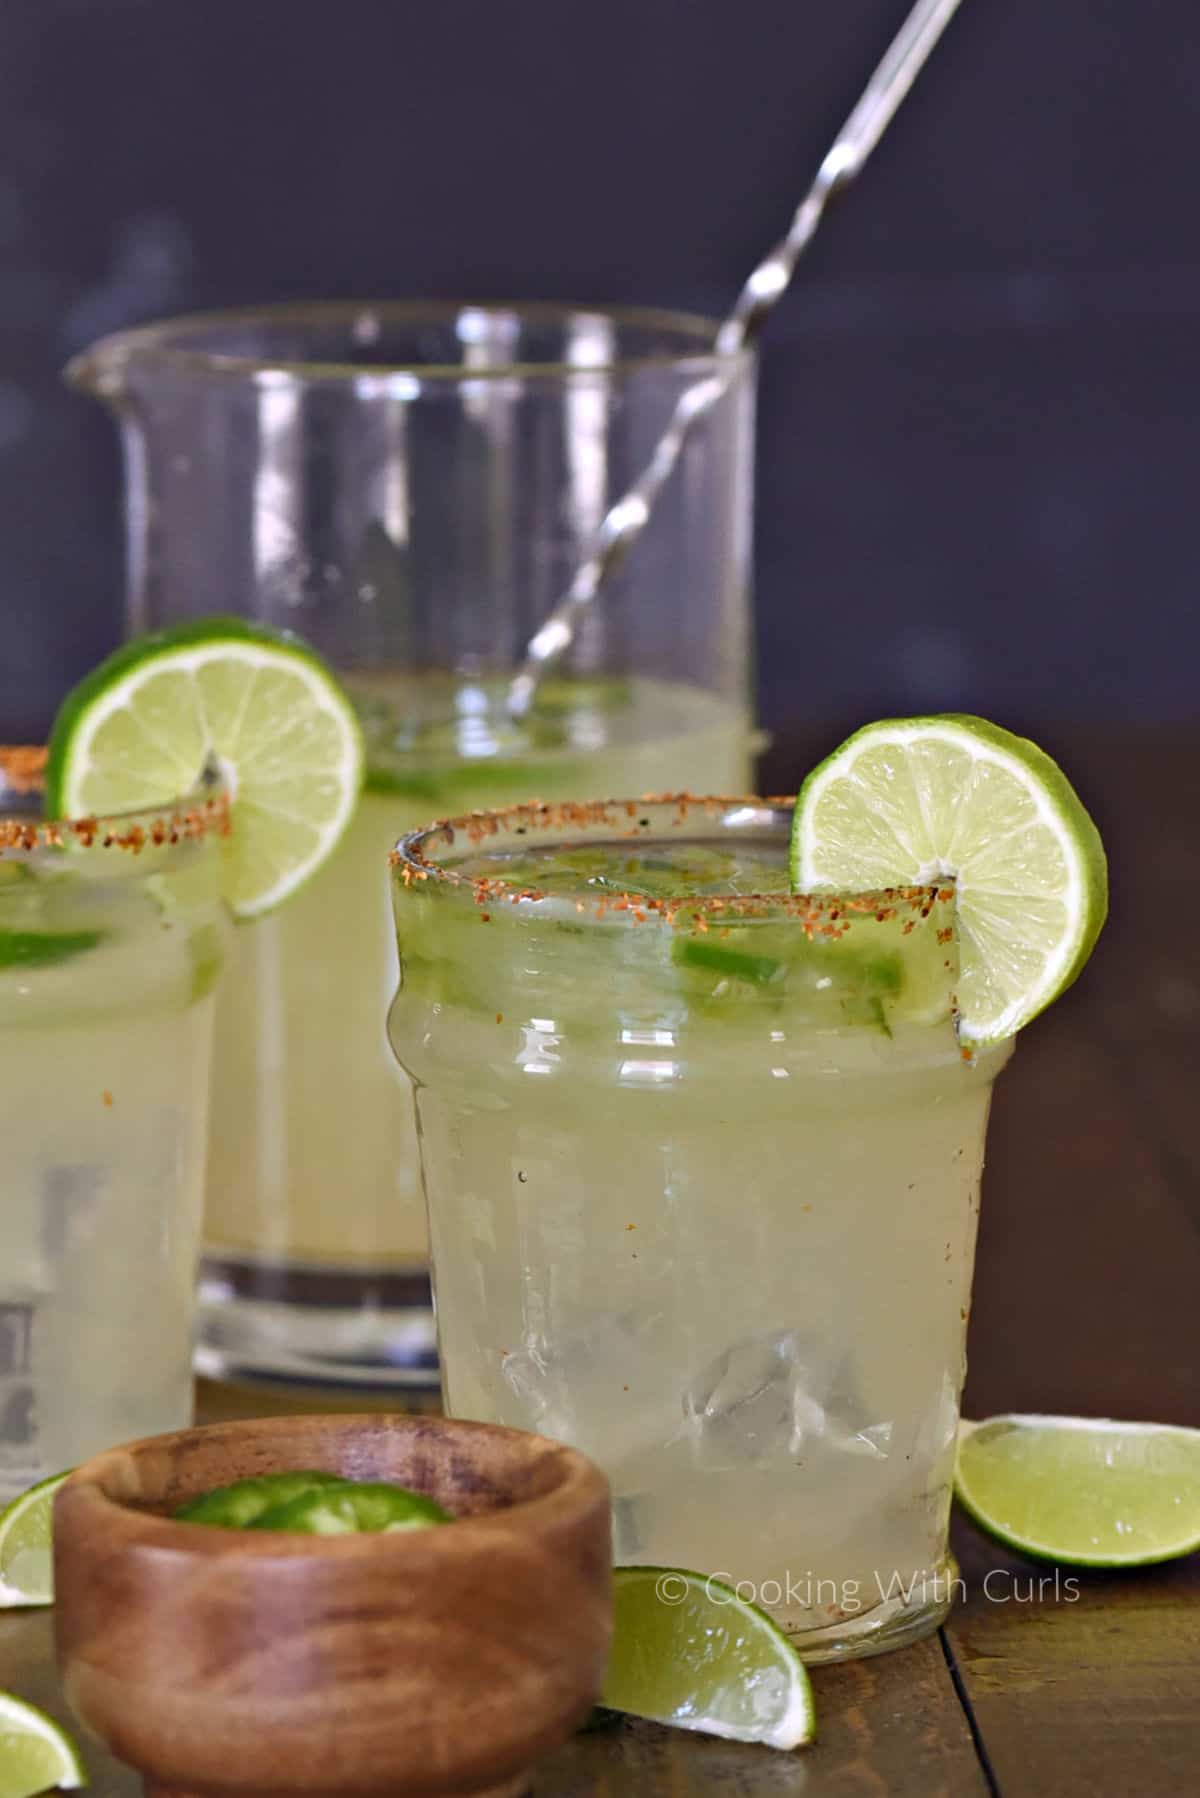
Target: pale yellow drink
<point x="704" y="1182"/>
<point x="108" y="962"/>
<point x="313" y="1161"/>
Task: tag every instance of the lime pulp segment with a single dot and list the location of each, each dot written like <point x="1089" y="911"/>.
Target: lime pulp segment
<point x="688" y="1651"/>
<point x="924" y="800"/>
<point x="1088" y="1492"/>
<point x="35" y="1753"/>
<point x="141" y="729"/>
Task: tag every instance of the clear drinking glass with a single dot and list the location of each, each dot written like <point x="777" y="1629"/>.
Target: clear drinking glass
<point x="112" y="937"/>
<point x="412" y="488"/>
<point x="702" y="1161"/>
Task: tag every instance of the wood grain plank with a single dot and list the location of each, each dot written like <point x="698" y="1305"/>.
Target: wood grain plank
<point x="1089" y="1260"/>
<point x="217" y="1403"/>
<point x="1083" y="1681"/>
<point x="888" y="1728"/>
<point x="1092" y="1688"/>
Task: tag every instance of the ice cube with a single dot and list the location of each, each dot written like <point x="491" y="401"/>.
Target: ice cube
<point x="784" y="1395"/>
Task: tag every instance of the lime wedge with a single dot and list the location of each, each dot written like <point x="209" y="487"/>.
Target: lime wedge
<point x="142" y="727"/>
<point x="1083" y="1490"/>
<point x="355" y="1509"/>
<point x="688" y="1651"/>
<point x="238" y="1506"/>
<point x="35" y="1754"/>
<point x="918" y="800"/>
<point x="26" y="1560"/>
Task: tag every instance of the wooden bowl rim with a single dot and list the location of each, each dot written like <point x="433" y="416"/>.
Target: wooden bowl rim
<point x="91" y="1506"/>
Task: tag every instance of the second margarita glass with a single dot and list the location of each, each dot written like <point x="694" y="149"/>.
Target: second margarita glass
<point x="112" y="939"/>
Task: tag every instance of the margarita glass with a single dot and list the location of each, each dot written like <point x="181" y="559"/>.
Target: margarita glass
<point x="112" y="938"/>
<point x="412" y="487"/>
<point x="702" y="1161"/>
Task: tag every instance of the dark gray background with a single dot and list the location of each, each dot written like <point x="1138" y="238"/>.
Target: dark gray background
<point x="978" y="479"/>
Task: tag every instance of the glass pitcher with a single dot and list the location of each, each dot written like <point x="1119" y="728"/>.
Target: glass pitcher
<point x="411" y="487"/>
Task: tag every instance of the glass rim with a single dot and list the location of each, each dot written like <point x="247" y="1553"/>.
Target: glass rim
<point x="153" y="343"/>
<point x="820" y="913"/>
<point x="203" y="810"/>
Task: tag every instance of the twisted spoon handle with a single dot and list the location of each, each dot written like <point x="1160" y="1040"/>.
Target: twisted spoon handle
<point x="628" y="516"/>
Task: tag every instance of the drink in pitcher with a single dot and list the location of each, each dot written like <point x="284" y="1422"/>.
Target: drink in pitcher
<point x="333" y="948"/>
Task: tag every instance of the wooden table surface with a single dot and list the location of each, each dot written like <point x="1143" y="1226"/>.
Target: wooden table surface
<point x="1085" y="1301"/>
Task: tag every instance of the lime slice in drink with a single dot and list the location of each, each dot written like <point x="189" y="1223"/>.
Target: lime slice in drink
<point x="26" y="940"/>
<point x="918" y="800"/>
<point x="356" y="1508"/>
<point x="1083" y="1490"/>
<point x="688" y="1651"/>
<point x="238" y="1506"/>
<point x="142" y="727"/>
<point x="26" y="1558"/>
<point x="40" y="949"/>
<point x="35" y="1754"/>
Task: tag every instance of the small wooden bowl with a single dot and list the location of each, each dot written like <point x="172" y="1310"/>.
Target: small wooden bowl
<point x="230" y="1663"/>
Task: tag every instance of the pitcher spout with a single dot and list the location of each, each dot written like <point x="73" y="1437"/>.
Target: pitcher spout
<point x="102" y="369"/>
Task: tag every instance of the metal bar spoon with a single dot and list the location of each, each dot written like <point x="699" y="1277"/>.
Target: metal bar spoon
<point x="625" y="520"/>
